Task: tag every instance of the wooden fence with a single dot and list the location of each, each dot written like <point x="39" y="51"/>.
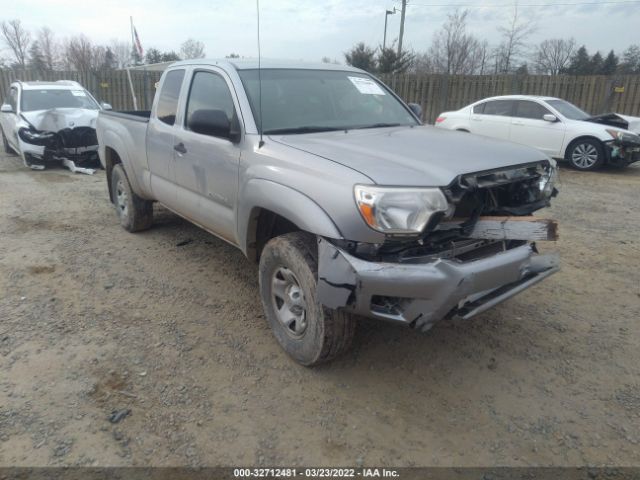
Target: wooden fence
<point x="594" y="94"/>
<point x="111" y="87"/>
<point x="435" y="93"/>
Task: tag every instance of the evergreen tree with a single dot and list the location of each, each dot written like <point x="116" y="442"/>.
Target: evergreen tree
<point x="610" y="64"/>
<point x="136" y="59"/>
<point x="595" y="64"/>
<point x="361" y="56"/>
<point x="153" y="56"/>
<point x="36" y="58"/>
<point x="389" y="61"/>
<point x="580" y="62"/>
<point x="109" y="62"/>
<point x="170" y="56"/>
<point x="631" y="60"/>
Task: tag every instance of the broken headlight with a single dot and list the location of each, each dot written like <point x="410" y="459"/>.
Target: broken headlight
<point x="625" y="137"/>
<point x="548" y="179"/>
<point x="399" y="211"/>
<point x="35" y="137"/>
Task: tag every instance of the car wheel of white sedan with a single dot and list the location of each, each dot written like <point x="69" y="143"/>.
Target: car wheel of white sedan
<point x="586" y="154"/>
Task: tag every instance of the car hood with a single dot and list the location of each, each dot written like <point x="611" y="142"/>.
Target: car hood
<point x="58" y="119"/>
<point x="412" y="156"/>
<point x="624" y="122"/>
<point x="634" y="123"/>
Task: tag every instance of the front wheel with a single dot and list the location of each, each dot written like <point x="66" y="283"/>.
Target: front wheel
<point x="135" y="213"/>
<point x="586" y="154"/>
<point x="305" y="329"/>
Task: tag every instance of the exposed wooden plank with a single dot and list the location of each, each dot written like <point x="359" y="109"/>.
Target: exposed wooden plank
<point x="511" y="228"/>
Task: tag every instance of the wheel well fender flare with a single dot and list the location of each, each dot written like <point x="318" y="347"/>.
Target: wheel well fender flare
<point x="261" y="194"/>
<point x="114" y="151"/>
<point x="583" y="137"/>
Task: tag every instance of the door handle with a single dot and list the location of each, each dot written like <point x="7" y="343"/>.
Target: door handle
<point x="180" y="148"/>
<point x="476" y="119"/>
<point x="517" y="123"/>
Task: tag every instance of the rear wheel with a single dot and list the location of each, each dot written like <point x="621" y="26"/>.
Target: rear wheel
<point x="305" y="329"/>
<point x="586" y="154"/>
<point x="135" y="213"/>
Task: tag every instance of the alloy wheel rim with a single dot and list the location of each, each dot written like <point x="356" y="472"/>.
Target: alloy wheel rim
<point x="288" y="301"/>
<point x="122" y="199"/>
<point x="584" y="155"/>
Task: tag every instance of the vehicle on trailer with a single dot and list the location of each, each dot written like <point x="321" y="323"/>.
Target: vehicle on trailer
<point x="554" y="126"/>
<point x="51" y="122"/>
<point x="331" y="183"/>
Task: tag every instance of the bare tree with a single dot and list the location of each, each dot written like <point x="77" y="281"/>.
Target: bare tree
<point x="192" y="49"/>
<point x="453" y="51"/>
<point x="49" y="48"/>
<point x="17" y="39"/>
<point x="81" y="54"/>
<point x="553" y="56"/>
<point x="514" y="37"/>
<point x="121" y="53"/>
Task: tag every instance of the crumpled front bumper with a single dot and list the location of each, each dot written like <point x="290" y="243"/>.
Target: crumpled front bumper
<point x="423" y="293"/>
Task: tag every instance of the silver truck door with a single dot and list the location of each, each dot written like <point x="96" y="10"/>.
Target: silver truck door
<point x="160" y="138"/>
<point x="207" y="160"/>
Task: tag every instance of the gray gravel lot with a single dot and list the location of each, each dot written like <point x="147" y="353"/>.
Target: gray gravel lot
<point x="95" y="320"/>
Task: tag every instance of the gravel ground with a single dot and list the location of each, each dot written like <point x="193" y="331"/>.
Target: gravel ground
<point x="94" y="320"/>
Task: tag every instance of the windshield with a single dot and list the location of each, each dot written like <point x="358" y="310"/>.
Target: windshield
<point x="56" y="98"/>
<point x="303" y="101"/>
<point x="569" y="110"/>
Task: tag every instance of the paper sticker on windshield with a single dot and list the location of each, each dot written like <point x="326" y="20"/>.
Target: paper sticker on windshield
<point x="78" y="93"/>
<point x="366" y="86"/>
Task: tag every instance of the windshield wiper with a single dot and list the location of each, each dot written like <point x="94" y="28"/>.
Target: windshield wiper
<point x="306" y="129"/>
<point x="380" y="125"/>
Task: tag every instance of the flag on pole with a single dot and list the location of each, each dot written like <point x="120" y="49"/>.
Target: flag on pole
<point x="136" y="40"/>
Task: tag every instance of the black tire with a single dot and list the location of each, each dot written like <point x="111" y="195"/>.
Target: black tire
<point x="323" y="333"/>
<point x="135" y="213"/>
<point x="5" y="144"/>
<point x="586" y="154"/>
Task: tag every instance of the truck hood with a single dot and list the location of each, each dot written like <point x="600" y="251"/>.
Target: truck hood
<point x="412" y="156"/>
<point x="57" y="119"/>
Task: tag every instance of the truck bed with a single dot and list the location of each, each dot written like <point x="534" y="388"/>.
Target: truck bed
<point x="135" y="115"/>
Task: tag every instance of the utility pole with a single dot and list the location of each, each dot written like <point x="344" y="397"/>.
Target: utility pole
<point x="386" y="15"/>
<point x="404" y="9"/>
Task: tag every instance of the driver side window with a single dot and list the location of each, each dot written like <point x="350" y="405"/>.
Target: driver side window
<point x="209" y="91"/>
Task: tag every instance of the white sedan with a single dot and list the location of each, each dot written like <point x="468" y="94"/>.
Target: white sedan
<point x="554" y="126"/>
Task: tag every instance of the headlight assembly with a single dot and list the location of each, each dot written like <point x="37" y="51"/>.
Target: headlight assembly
<point x="35" y="137"/>
<point x="399" y="211"/>
<point x="548" y="179"/>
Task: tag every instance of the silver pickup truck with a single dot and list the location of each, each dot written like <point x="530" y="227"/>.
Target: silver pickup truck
<point x="350" y="205"/>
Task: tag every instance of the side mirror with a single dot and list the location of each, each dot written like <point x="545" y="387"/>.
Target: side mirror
<point x="106" y="106"/>
<point x="416" y="109"/>
<point x="6" y="108"/>
<point x="210" y="122"/>
<point x="548" y="117"/>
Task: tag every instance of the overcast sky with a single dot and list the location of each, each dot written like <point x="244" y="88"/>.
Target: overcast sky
<point x="312" y="29"/>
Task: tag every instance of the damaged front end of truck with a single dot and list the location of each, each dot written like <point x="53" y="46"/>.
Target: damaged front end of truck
<point x="476" y="250"/>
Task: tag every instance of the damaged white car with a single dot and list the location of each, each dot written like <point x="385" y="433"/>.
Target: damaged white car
<point x="51" y="123"/>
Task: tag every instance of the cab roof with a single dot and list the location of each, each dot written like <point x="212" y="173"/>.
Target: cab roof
<point x="252" y="64"/>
